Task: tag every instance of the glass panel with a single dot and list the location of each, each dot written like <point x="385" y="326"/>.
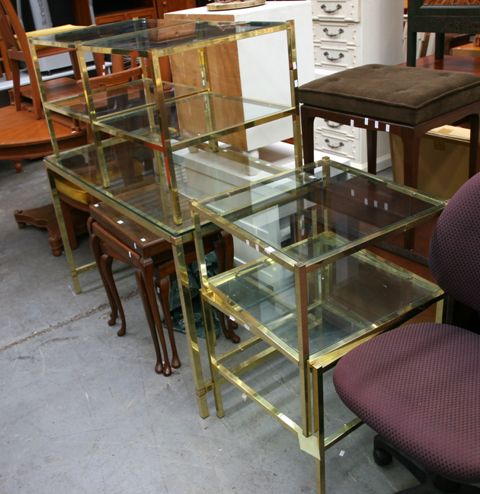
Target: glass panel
<point x="70" y="38"/>
<point x="298" y="214"/>
<point x="192" y="119"/>
<point x="135" y="183"/>
<point x="345" y="298"/>
<point x="170" y="36"/>
<point x="110" y="99"/>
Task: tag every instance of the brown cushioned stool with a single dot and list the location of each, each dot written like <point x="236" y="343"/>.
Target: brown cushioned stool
<point x="112" y="236"/>
<point x="406" y="101"/>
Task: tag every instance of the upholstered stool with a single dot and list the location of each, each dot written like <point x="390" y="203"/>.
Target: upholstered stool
<point x="113" y="236"/>
<point x="406" y="101"/>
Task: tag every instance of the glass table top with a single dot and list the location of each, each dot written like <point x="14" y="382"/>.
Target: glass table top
<point x="287" y="217"/>
<point x="347" y="299"/>
<point x="169" y="37"/>
<point x="72" y="36"/>
<point x="139" y="184"/>
<point x="143" y="35"/>
<point x="109" y="100"/>
<point x="192" y="119"/>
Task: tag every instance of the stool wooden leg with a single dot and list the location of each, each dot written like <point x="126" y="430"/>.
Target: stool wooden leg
<point x="106" y="266"/>
<point x="411" y="49"/>
<point x="307" y="135"/>
<point x="95" y="247"/>
<point x="164" y="285"/>
<point x="147" y="273"/>
<point x="474" y="135"/>
<point x="439" y="46"/>
<point x="372" y="151"/>
<point x="151" y="322"/>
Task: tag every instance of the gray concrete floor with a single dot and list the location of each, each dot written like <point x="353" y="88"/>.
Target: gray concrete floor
<point x="82" y="410"/>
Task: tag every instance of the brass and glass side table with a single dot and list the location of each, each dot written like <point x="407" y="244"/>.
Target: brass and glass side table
<point x="314" y="291"/>
<point x="138" y="105"/>
<point x="137" y="194"/>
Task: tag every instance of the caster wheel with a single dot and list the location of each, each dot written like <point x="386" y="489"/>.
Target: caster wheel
<point x="382" y="457"/>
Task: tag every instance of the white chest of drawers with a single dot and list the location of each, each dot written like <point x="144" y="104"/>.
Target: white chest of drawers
<point x="346" y="34"/>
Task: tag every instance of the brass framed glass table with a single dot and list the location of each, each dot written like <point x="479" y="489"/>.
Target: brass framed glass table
<point x="139" y="105"/>
<point x="136" y="192"/>
<point x="314" y="291"/>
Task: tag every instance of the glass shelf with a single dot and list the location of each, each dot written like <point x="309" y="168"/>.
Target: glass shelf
<point x="286" y="217"/>
<point x="193" y="119"/>
<point x="142" y="36"/>
<point x="347" y="299"/>
<point x="75" y="35"/>
<point x="136" y="184"/>
<point x="109" y="100"/>
<point x="169" y="37"/>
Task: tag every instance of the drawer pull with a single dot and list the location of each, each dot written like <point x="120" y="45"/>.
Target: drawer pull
<point x="334" y="146"/>
<point x="331" y="11"/>
<point x="333" y="35"/>
<point x="333" y="125"/>
<point x="329" y="57"/>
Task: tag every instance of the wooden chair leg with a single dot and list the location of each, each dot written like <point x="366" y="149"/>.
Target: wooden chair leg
<point x="439" y="46"/>
<point x="411" y="48"/>
<point x="150" y="320"/>
<point x="163" y="295"/>
<point x="17" y="99"/>
<point x="147" y="273"/>
<point x="106" y="266"/>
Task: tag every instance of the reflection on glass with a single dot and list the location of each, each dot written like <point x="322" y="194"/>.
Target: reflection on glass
<point x="299" y="214"/>
<point x="71" y="38"/>
<point x="345" y="298"/>
<point x="192" y="118"/>
<point x="138" y="180"/>
<point x="168" y="35"/>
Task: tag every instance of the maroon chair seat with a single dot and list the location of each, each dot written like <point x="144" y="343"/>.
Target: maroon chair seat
<point x="418" y="386"/>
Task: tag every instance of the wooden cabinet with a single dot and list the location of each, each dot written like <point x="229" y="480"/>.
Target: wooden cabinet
<point x="104" y="11"/>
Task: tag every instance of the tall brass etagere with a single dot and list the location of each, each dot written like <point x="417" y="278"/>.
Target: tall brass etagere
<point x="140" y="124"/>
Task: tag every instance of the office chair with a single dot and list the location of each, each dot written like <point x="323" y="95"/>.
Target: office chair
<point x="418" y="386"/>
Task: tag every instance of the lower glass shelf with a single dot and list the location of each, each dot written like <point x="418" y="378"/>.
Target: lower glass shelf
<point x="346" y="299"/>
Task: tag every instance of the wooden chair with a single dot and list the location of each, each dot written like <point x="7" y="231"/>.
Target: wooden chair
<point x="18" y="52"/>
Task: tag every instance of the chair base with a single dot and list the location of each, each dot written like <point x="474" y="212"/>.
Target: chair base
<point x="383" y="454"/>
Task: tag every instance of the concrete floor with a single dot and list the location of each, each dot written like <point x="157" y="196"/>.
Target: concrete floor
<point x="82" y="410"/>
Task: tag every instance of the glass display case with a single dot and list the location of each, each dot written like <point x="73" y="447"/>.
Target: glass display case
<point x="315" y="290"/>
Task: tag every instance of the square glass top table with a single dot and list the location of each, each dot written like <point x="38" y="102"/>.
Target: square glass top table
<point x="145" y="35"/>
<point x="314" y="290"/>
<point x="125" y="175"/>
